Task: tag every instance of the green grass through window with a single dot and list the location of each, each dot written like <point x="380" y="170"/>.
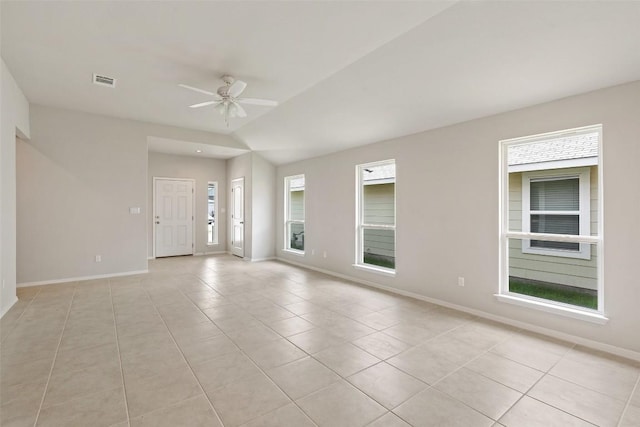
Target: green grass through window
<point x="568" y="295"/>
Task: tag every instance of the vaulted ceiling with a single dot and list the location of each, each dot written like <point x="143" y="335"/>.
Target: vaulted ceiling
<point x="345" y="73"/>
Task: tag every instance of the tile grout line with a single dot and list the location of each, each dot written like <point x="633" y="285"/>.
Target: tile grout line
<point x="115" y="329"/>
<point x="53" y="363"/>
<point x="175" y="343"/>
<point x="243" y="352"/>
<point x="21" y="314"/>
<point x="636" y="389"/>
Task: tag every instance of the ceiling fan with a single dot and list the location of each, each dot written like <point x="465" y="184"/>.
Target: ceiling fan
<point x="226" y="100"/>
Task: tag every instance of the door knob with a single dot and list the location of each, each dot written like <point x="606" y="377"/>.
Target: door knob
<point x="157" y="222"/>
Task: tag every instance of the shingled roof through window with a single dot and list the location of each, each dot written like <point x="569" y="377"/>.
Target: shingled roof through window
<point x="563" y="148"/>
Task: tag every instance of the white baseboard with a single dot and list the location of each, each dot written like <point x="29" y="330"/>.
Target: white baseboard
<point x="149" y="258"/>
<point x="8" y="307"/>
<point x="262" y="259"/>
<point x="210" y="253"/>
<point x="618" y="351"/>
<point x="78" y="279"/>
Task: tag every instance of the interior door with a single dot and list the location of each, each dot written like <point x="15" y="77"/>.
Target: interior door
<point x="173" y="220"/>
<point x="237" y="217"/>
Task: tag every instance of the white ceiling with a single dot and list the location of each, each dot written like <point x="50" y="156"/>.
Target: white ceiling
<point x="345" y="73"/>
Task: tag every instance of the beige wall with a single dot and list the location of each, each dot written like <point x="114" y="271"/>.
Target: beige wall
<point x="14" y="120"/>
<point x="259" y="201"/>
<point x="77" y="179"/>
<point x="202" y="171"/>
<point x="448" y="205"/>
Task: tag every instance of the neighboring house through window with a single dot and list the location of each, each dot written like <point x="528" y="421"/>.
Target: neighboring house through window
<point x="376" y="221"/>
<point x="294" y="213"/>
<point x="551" y="226"/>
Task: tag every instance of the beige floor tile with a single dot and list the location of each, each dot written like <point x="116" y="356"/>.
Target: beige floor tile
<point x="505" y="371"/>
<point x="529" y="412"/>
<point x="194" y="333"/>
<point x="533" y="351"/>
<point x="151" y="393"/>
<point x="194" y="412"/>
<point x="386" y="384"/>
<point x="433" y="408"/>
<point x="69" y="385"/>
<point x="340" y="404"/>
<point x="145" y="343"/>
<point x="635" y="398"/>
<point x="481" y="334"/>
<point x="598" y="373"/>
<point x="302" y="377"/>
<point x="381" y="345"/>
<point x="291" y="326"/>
<point x="411" y="334"/>
<point x="589" y="405"/>
<point x="97" y="409"/>
<point x="144" y="365"/>
<point x="479" y="392"/>
<point x="379" y="320"/>
<point x="315" y="340"/>
<point x="253" y="337"/>
<point x="346" y="359"/>
<point x="301" y="308"/>
<point x="19" y="403"/>
<point x="631" y="417"/>
<point x="24" y="371"/>
<point x="73" y="360"/>
<point x="223" y="370"/>
<point x="246" y="399"/>
<point x="388" y="420"/>
<point x="287" y="416"/>
<point x="87" y="340"/>
<point x="275" y="353"/>
<point x="197" y="352"/>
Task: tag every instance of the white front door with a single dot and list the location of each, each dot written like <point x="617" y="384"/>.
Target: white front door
<point x="237" y="217"/>
<point x="173" y="219"/>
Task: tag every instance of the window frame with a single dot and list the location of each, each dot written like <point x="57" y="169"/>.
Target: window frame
<point x="361" y="225"/>
<point x="215" y="214"/>
<point x="288" y="222"/>
<point x="584" y="212"/>
<point x="504" y="295"/>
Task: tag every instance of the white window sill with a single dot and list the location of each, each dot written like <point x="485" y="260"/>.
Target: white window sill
<point x="377" y="270"/>
<point x="575" y="313"/>
<point x="293" y="252"/>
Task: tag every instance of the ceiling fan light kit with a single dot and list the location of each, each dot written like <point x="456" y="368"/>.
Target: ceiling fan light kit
<point x="226" y="100"/>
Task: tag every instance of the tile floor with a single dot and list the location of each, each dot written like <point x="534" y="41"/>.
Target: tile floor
<point x="216" y="341"/>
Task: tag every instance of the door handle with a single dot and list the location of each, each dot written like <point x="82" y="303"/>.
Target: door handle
<point x="157" y="222"/>
<point x="241" y="222"/>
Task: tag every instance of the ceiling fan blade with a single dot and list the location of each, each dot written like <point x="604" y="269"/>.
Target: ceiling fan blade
<point x="256" y="101"/>
<point x="206" y="92"/>
<point x="238" y="111"/>
<point x="203" y="104"/>
<point x="236" y="88"/>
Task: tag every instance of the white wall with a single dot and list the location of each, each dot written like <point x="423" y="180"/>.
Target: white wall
<point x="202" y="170"/>
<point x="14" y="112"/>
<point x="263" y="208"/>
<point x="447" y="210"/>
<point x="77" y="179"/>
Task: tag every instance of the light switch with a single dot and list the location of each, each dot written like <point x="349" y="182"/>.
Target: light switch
<point x="134" y="211"/>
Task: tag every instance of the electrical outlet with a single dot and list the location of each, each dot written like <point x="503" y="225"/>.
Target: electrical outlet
<point x="460" y="281"/>
<point x="98" y="258"/>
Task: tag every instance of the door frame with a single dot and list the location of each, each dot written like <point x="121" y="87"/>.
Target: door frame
<point x="244" y="213"/>
<point x="193" y="209"/>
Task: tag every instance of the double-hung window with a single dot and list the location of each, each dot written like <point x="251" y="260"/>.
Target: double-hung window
<point x="294" y="213"/>
<point x="551" y="208"/>
<point x="376" y="216"/>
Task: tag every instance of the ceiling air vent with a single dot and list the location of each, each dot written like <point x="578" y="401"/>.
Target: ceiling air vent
<point x="104" y="80"/>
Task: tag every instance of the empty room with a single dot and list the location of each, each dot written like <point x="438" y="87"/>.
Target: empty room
<point x="320" y="213"/>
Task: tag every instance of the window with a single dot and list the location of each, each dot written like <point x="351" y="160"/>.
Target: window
<point x="212" y="229"/>
<point x="551" y="222"/>
<point x="556" y="203"/>
<point x="376" y="215"/>
<point x="294" y="213"/>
